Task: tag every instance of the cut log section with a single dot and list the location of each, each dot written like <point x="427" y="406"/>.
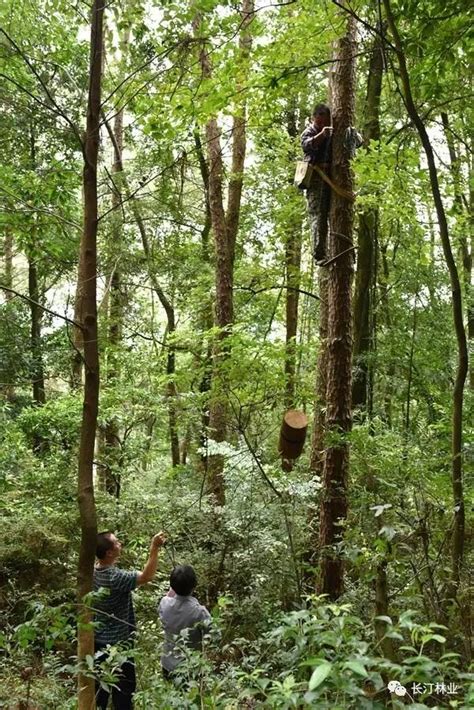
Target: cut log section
<point x="292" y="437"/>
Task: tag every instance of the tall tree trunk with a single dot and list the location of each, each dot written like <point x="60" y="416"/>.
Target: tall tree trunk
<point x="37" y="374"/>
<point x="292" y="277"/>
<point x="8" y="389"/>
<point x="77" y="341"/>
<point x="206" y="311"/>
<point x="224" y="307"/>
<point x="462" y="356"/>
<point x="470" y="307"/>
<point x="36" y="312"/>
<point x="316" y="456"/>
<point x="382" y="608"/>
<point x="383" y="277"/>
<point x="112" y="444"/>
<point x="339" y="341"/>
<point x="465" y="245"/>
<point x="368" y="223"/>
<point x="87" y="511"/>
<point x="292" y="264"/>
<point x="319" y="421"/>
<point x="8" y="261"/>
<point x="224" y="226"/>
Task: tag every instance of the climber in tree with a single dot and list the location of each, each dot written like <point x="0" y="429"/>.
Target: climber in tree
<point x="316" y="144"/>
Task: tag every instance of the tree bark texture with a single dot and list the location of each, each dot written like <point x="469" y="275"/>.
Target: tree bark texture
<point x="319" y="420"/>
<point x="368" y="222"/>
<point x="293" y="239"/>
<point x="339" y="340"/>
<point x="462" y="355"/>
<point x="293" y="273"/>
<point x="87" y="511"/>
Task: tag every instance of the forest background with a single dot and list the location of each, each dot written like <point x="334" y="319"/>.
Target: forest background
<point x="153" y="243"/>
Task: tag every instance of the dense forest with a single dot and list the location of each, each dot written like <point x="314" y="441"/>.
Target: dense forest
<point x="172" y="358"/>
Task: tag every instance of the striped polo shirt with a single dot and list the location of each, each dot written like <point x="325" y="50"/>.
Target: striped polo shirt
<point x="117" y="622"/>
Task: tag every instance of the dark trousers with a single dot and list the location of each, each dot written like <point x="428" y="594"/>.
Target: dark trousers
<point x="319" y="200"/>
<point x="124" y="687"/>
<point x="167" y="675"/>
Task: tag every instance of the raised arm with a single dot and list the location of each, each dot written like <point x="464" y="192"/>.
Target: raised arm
<point x="309" y="141"/>
<point x="149" y="569"/>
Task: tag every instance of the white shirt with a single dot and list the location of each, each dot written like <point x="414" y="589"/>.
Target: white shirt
<point x="181" y="614"/>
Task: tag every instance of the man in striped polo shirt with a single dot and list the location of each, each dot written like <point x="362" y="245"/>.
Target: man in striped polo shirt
<point x="115" y="616"/>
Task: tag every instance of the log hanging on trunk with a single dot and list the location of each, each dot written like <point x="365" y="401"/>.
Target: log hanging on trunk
<point x="292" y="437"/>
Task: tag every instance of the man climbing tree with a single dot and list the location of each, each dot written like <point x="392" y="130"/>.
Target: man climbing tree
<point x="316" y="144"/>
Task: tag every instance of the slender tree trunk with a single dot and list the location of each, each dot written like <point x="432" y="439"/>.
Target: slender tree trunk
<point x="8" y="262"/>
<point x="293" y="238"/>
<point x="77" y="353"/>
<point x="319" y="421"/>
<point x="387" y="319"/>
<point x="292" y="264"/>
<point x="368" y="223"/>
<point x="36" y="313"/>
<point x="382" y="609"/>
<point x="411" y="356"/>
<point x="464" y="243"/>
<point x="462" y="356"/>
<point x="87" y="511"/>
<point x="37" y="374"/>
<point x="206" y="319"/>
<point x="470" y="307"/>
<point x="316" y="456"/>
<point x="224" y="309"/>
<point x="339" y="340"/>
<point x="8" y="389"/>
<point x="112" y="443"/>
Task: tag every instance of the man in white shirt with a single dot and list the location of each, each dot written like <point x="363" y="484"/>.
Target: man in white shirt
<point x="181" y="614"/>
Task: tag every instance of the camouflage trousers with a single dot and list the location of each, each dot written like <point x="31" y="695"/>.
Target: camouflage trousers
<point x="318" y="196"/>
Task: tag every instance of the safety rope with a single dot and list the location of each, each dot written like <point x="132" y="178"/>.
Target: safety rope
<point x="340" y="190"/>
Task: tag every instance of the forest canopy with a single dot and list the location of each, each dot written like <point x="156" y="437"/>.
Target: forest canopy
<point x="175" y="356"/>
